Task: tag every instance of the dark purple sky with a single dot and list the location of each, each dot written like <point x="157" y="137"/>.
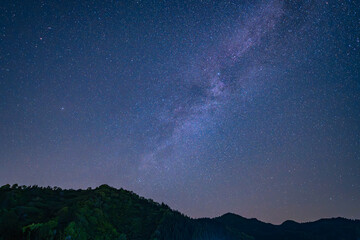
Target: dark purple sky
<point x="250" y="107"/>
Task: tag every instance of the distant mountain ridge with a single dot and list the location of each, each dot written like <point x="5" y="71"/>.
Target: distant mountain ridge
<point x="107" y="213"/>
<point x="334" y="228"/>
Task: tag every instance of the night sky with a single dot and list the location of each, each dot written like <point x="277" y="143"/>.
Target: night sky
<point x="250" y="107"/>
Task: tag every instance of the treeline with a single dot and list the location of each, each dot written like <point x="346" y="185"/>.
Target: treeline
<point x="34" y="213"/>
<point x="52" y="213"/>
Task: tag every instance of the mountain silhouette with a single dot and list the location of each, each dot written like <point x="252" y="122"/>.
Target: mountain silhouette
<point x="32" y="212"/>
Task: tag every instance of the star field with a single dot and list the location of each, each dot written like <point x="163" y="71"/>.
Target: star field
<point x="250" y="107"/>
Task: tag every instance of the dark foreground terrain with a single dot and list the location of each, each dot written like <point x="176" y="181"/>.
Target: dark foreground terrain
<point x="108" y="213"/>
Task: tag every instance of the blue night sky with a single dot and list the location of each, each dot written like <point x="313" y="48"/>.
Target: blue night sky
<point x="250" y="107"/>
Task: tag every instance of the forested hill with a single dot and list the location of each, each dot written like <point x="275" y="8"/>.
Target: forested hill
<point x="109" y="213"/>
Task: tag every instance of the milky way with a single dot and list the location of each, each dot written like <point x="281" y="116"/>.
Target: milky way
<point x="249" y="107"/>
<point x="209" y="88"/>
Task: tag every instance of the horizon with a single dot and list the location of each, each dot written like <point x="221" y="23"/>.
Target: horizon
<point x="200" y="217"/>
<point x="249" y="107"/>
